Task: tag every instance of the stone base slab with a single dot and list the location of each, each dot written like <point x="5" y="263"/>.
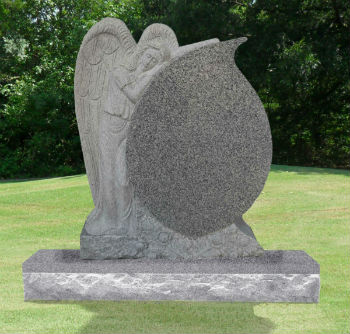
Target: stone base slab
<point x="276" y="276"/>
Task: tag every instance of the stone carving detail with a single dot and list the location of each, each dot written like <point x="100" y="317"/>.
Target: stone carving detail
<point x="151" y="239"/>
<point x="113" y="75"/>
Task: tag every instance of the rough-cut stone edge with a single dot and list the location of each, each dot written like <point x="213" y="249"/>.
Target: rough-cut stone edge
<point x="297" y="288"/>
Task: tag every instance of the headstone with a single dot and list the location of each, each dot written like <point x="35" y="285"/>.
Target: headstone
<point x="199" y="147"/>
<point x="177" y="147"/>
<point x="216" y="138"/>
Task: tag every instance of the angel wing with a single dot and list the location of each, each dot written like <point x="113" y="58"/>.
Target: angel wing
<point x="161" y="33"/>
<point x="106" y="44"/>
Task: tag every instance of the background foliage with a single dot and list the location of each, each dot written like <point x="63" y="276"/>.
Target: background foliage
<point x="296" y="57"/>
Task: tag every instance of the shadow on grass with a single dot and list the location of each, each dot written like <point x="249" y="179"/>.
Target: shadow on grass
<point x="171" y="317"/>
<point x="309" y="170"/>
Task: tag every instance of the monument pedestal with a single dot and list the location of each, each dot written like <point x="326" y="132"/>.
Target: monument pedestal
<point x="276" y="276"/>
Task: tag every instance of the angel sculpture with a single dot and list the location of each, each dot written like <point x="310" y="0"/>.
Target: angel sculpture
<point x="112" y="72"/>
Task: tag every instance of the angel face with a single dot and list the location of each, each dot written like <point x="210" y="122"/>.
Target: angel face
<point x="149" y="59"/>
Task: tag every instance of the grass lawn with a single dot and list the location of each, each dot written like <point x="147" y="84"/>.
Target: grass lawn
<point x="299" y="208"/>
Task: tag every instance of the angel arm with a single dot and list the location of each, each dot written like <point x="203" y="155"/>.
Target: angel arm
<point x="134" y="89"/>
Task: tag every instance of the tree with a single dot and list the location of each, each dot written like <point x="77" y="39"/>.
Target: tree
<point x="39" y="46"/>
<point x="296" y="57"/>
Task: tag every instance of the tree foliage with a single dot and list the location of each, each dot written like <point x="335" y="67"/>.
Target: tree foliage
<point x="296" y="57"/>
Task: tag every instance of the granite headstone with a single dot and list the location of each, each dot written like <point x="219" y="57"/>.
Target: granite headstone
<point x="177" y="147"/>
<point x="176" y="183"/>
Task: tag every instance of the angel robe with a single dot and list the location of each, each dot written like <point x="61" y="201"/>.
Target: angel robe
<point x="116" y="193"/>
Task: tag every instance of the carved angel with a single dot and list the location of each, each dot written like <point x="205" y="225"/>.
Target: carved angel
<point x="112" y="71"/>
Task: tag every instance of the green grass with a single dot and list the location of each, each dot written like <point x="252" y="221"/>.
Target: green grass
<point x="299" y="208"/>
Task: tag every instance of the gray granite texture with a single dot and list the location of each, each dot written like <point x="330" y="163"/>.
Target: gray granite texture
<point x="199" y="144"/>
<point x="276" y="276"/>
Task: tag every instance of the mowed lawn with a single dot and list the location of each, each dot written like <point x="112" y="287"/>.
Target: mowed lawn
<point x="299" y="208"/>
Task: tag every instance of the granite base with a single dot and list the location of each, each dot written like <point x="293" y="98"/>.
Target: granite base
<point x="276" y="276"/>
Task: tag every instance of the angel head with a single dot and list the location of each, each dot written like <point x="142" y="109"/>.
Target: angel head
<point x="155" y="46"/>
<point x="151" y="55"/>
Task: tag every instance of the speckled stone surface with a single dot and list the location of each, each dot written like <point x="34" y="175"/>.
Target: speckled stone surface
<point x="199" y="146"/>
<point x="271" y="262"/>
<point x="276" y="276"/>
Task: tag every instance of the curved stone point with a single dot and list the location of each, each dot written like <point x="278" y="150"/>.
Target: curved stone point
<point x="199" y="147"/>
